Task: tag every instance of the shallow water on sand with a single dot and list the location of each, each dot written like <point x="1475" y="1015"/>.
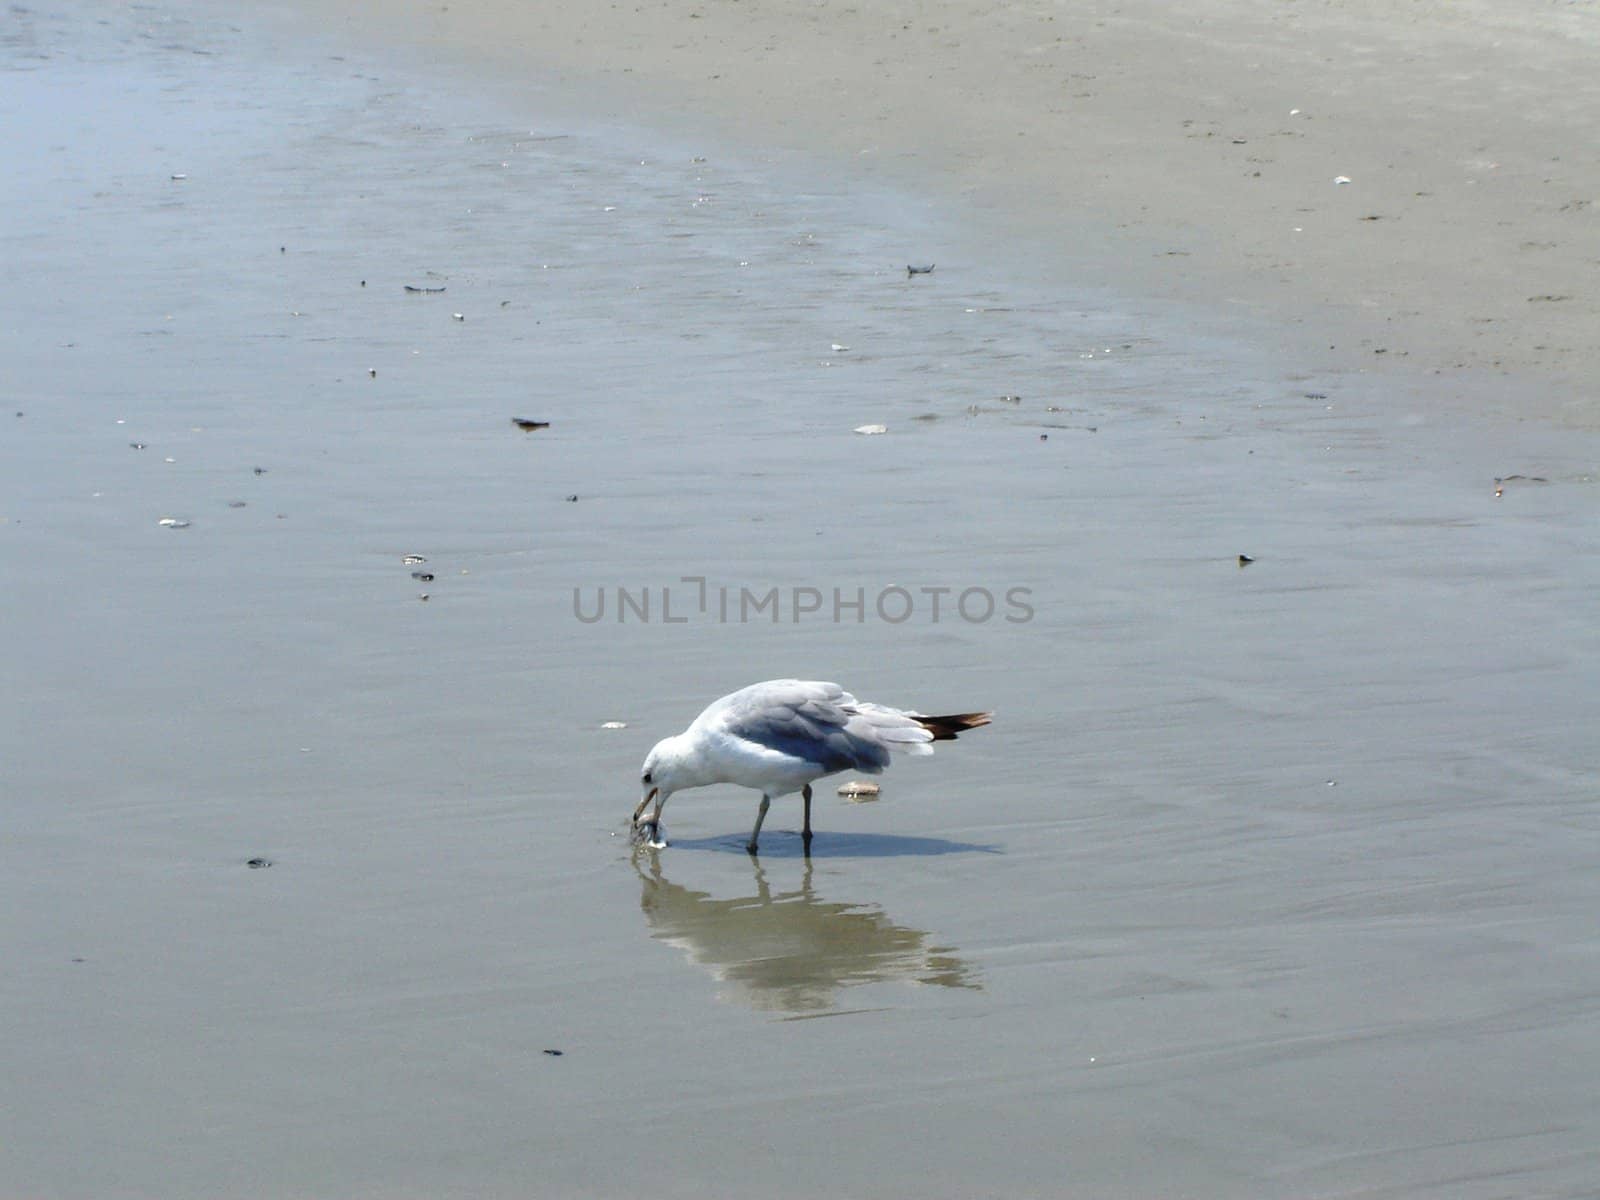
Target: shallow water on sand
<point x="1268" y="880"/>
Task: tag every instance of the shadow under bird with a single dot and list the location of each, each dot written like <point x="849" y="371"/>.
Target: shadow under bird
<point x="779" y="737"/>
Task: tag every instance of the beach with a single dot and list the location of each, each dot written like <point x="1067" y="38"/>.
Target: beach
<point x="415" y="412"/>
<point x="1204" y="147"/>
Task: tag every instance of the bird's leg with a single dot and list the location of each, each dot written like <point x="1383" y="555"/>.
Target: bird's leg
<point x="761" y="815"/>
<point x="805" y="829"/>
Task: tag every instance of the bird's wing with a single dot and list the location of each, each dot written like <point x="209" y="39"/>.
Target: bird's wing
<point x="819" y="723"/>
<point x="891" y="727"/>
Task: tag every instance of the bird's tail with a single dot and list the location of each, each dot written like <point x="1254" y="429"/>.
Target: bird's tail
<point x="944" y="729"/>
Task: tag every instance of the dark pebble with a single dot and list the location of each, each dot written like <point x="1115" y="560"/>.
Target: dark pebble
<point x="255" y="864"/>
<point x="555" y="1053"/>
<point x="260" y="470"/>
<point x="423" y="576"/>
<point x="1245" y="560"/>
<point x="573" y="499"/>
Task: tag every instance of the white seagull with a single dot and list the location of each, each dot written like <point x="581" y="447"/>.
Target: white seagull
<point x="777" y="737"/>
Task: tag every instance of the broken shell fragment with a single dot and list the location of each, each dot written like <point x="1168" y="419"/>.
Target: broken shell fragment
<point x="871" y="429"/>
<point x="858" y="790"/>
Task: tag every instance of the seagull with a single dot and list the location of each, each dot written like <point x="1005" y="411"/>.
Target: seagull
<point x="778" y="737"/>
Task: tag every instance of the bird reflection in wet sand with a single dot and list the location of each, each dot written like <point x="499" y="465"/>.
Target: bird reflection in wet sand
<point x="789" y="951"/>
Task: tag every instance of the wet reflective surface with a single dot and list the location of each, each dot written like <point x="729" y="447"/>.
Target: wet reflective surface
<point x="1267" y="881"/>
<point x="790" y="951"/>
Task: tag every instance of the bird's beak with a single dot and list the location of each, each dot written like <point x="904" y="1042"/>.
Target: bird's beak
<point x="644" y="804"/>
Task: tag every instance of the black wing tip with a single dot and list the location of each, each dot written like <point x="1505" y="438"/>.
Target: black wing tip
<point x="945" y="729"/>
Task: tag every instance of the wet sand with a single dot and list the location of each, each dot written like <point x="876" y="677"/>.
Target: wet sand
<point x="1269" y="880"/>
<point x="1202" y="148"/>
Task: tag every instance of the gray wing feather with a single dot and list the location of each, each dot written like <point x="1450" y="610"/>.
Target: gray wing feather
<point x="819" y="723"/>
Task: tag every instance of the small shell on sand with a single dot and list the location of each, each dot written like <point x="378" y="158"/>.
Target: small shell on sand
<point x="871" y="429"/>
<point x="858" y="790"/>
<point x="614" y="725"/>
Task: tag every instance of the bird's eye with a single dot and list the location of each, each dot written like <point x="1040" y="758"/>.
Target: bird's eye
<point x="647" y="777"/>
